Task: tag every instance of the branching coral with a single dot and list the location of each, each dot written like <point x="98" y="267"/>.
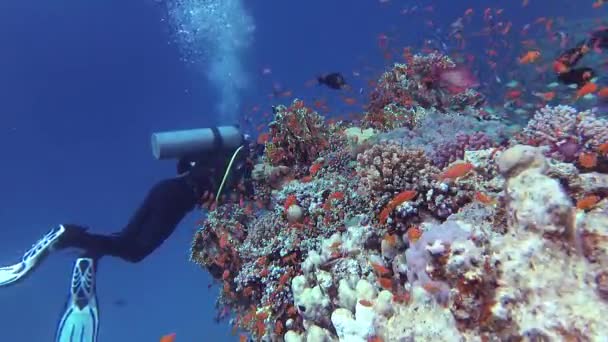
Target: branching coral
<point x="566" y="132"/>
<point x="430" y="81"/>
<point x="389" y="168"/>
<point x="297" y="136"/>
<point x="444" y="137"/>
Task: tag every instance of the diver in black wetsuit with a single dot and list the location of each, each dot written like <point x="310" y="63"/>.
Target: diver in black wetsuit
<point x="565" y="64"/>
<point x="222" y="170"/>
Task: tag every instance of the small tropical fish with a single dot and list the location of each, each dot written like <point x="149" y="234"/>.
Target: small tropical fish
<point x="587" y="202"/>
<point x="603" y="148"/>
<point x="548" y="96"/>
<point x="588" y="160"/>
<point x="414" y="234"/>
<point x="382" y="270"/>
<point x="512" y="84"/>
<point x="385" y="283"/>
<point x="484" y="199"/>
<point x="513" y="94"/>
<point x="560" y="67"/>
<point x="529" y="57"/>
<point x="401" y="197"/>
<point x="168" y="338"/>
<point x="335" y="80"/>
<point x="457" y="170"/>
<point x="588" y="88"/>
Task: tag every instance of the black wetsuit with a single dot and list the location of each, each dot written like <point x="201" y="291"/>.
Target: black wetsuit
<point x="165" y="205"/>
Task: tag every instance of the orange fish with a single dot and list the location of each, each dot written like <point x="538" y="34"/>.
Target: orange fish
<point x="588" y="88"/>
<point x="513" y="94"/>
<point x="457" y="170"/>
<point x="587" y="202"/>
<point x="382" y="270"/>
<point x="588" y="160"/>
<point x="168" y="338"/>
<point x="386" y="283"/>
<point x="548" y="96"/>
<point x="401" y="197"/>
<point x="529" y="57"/>
<point x="603" y="148"/>
<point x="414" y="234"/>
<point x="350" y="101"/>
<point x="483" y="198"/>
<point x="559" y="67"/>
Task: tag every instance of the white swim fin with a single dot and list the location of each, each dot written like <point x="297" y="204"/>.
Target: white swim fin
<point x="32" y="258"/>
<point x="80" y="321"/>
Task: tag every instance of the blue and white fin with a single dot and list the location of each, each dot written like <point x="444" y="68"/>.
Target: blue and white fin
<point x="12" y="274"/>
<point x="80" y="321"/>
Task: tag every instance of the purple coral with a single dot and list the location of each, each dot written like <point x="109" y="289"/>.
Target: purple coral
<point x="450" y="151"/>
<point x="445" y="138"/>
<point x="433" y="243"/>
<point x="566" y="131"/>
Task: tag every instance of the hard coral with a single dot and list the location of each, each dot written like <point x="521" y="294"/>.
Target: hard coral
<point x="444" y="137"/>
<point x="387" y="169"/>
<point x="451" y="151"/>
<point x="427" y="81"/>
<point x="297" y="136"/>
<point x="566" y="132"/>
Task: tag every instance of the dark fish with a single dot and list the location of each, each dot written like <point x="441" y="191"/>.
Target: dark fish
<point x="599" y="38"/>
<point x="335" y="80"/>
<point x="120" y="302"/>
<point x="578" y="76"/>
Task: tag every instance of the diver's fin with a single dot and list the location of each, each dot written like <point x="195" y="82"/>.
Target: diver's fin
<point x="80" y="322"/>
<point x="31" y="259"/>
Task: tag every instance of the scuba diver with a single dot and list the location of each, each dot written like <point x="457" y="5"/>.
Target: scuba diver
<point x="211" y="160"/>
<point x="565" y="64"/>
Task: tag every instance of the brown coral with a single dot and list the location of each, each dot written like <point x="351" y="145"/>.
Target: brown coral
<point x="389" y="168"/>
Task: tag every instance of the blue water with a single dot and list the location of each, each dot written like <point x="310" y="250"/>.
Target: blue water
<point x="83" y="84"/>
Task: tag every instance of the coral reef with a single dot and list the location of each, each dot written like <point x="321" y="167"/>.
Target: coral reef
<point x="567" y="133"/>
<point x="297" y="135"/>
<point x="444" y="137"/>
<point x="433" y="229"/>
<point x="430" y="81"/>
